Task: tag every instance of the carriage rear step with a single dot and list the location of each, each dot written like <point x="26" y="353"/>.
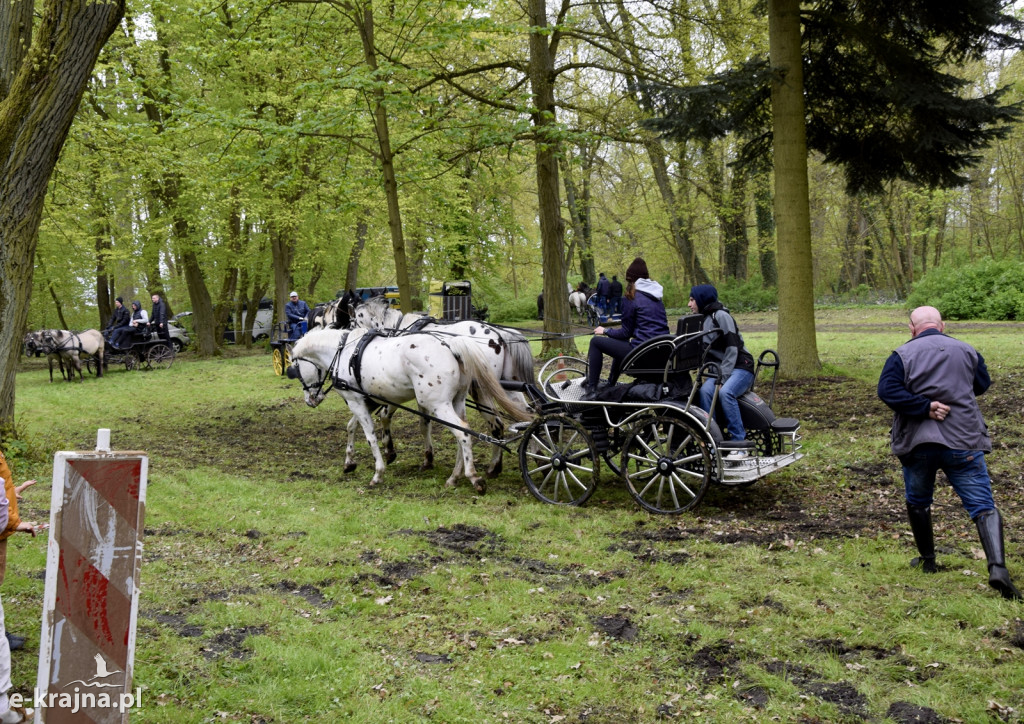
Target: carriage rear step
<point x="785" y="424"/>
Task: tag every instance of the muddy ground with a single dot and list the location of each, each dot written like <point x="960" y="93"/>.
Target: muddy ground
<point x="847" y="486"/>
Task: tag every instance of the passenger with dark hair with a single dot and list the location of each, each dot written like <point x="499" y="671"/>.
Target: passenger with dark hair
<point x="118" y="319"/>
<point x="643" y="317"/>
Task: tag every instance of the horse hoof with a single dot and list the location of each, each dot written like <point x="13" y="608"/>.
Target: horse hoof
<point x="350" y="467"/>
<point x="479" y="486"/>
<point x="449" y="483"/>
<point x="494" y="472"/>
<point x="429" y="465"/>
<point x="390" y="458"/>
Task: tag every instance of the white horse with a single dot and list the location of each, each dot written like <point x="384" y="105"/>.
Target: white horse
<point x="507" y="353"/>
<point x="578" y="304"/>
<point x="436" y="373"/>
<point x="70" y="346"/>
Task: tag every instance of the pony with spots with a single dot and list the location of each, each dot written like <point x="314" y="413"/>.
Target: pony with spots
<point x="366" y="367"/>
<point x="506" y="351"/>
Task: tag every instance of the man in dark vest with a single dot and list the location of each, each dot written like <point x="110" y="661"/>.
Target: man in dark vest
<point x="931" y="383"/>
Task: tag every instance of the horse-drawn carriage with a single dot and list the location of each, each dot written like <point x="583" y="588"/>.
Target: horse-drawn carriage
<point x="143" y="348"/>
<point x="649" y="432"/>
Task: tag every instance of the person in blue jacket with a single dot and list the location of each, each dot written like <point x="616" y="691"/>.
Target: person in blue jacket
<point x="643" y="317"/>
<point x="297" y="312"/>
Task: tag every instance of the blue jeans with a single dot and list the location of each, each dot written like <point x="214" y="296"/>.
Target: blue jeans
<point x="739" y="382"/>
<point x="965" y="469"/>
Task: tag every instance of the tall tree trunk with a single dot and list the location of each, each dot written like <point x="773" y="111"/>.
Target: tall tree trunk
<point x="552" y="228"/>
<point x="579" y="216"/>
<point x="765" y="230"/>
<point x="354" y="254"/>
<point x="798" y="344"/>
<point x="282" y="249"/>
<point x="364" y="19"/>
<point x="42" y="87"/>
<point x="229" y="280"/>
<point x="104" y="283"/>
<point x="416" y="254"/>
<point x="734" y="227"/>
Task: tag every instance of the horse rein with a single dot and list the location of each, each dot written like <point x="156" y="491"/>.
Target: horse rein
<point x="51" y="347"/>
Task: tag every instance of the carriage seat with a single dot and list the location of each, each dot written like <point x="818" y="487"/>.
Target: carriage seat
<point x="668" y="357"/>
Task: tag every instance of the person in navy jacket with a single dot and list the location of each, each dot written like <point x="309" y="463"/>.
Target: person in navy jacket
<point x="297" y="312"/>
<point x="643" y="317"/>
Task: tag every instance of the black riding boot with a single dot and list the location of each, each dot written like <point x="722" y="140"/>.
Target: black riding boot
<point x="990" y="530"/>
<point x="921" y="525"/>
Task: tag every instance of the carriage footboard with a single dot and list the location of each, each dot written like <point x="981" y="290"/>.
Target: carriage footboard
<point x="749" y="469"/>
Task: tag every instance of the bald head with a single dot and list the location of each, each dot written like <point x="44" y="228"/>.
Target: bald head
<point x="924" y="318"/>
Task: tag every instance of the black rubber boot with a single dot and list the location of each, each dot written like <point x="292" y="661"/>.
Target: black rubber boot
<point x="990" y="530"/>
<point x="921" y="525"/>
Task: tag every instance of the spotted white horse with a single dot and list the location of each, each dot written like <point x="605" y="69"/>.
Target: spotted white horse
<point x="436" y="373"/>
<point x="507" y="353"/>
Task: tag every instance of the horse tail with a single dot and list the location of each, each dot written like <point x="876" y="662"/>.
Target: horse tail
<point x="481" y="375"/>
<point x="101" y="354"/>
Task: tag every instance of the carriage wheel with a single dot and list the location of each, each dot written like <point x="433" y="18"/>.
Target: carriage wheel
<point x="132" y="361"/>
<point x="282" y="358"/>
<point x="667" y="465"/>
<point x="559" y="461"/>
<point x="160" y="356"/>
<point x="615" y="446"/>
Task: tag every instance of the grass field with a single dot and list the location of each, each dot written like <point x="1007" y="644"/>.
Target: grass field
<point x="276" y="588"/>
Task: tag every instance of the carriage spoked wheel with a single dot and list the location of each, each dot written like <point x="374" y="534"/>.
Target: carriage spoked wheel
<point x="160" y="356"/>
<point x="666" y="464"/>
<point x="282" y="358"/>
<point x="558" y="461"/>
<point x="612" y="456"/>
<point x="132" y="361"/>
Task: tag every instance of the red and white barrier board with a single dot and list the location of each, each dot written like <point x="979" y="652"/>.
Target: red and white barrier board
<point x="91" y="600"/>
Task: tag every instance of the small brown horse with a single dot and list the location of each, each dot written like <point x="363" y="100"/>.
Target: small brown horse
<point x="71" y="346"/>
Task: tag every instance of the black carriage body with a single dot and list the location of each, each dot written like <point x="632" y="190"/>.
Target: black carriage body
<point x="650" y="431"/>
<point x="145" y="348"/>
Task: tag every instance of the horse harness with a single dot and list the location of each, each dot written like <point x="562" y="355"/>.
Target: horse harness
<point x="62" y="346"/>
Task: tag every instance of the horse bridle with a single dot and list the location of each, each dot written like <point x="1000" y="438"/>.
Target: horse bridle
<point x="51" y="346"/>
<point x="321" y="376"/>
